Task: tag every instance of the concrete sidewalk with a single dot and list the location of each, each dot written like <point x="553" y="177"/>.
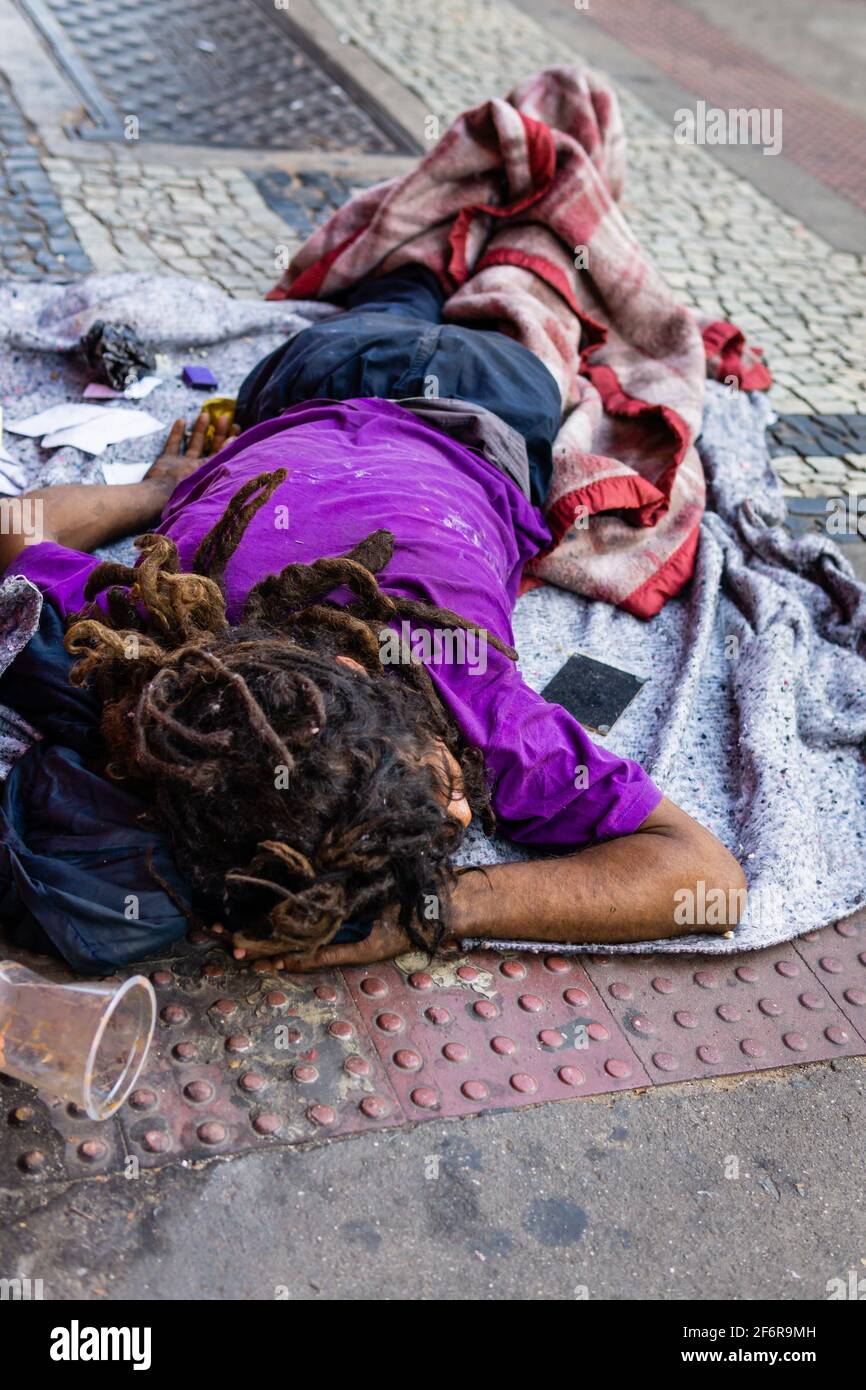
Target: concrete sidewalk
<point x="739" y="1189"/>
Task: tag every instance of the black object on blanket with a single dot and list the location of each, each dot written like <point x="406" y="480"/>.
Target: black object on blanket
<point x="593" y="692"/>
<point x="75" y="850"/>
<point x="116" y="354"/>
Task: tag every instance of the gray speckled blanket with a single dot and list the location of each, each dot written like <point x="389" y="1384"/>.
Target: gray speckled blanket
<point x="753" y="717"/>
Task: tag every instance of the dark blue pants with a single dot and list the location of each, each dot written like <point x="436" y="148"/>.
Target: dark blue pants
<point x="390" y="342"/>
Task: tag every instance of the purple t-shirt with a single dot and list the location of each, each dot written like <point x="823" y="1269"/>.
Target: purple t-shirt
<point x="463" y="532"/>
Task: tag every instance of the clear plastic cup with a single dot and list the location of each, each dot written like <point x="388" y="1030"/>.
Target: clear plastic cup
<point x="83" y="1042"/>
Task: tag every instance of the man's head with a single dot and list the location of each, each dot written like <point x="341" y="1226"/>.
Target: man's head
<point x="302" y="783"/>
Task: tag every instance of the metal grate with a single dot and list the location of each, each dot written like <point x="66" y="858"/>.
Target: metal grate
<point x="209" y="72"/>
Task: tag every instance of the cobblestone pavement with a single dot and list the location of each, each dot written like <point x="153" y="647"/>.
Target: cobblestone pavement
<point x="722" y="244"/>
<point x="821" y="136"/>
<point x="35" y="236"/>
<point x="131" y="213"/>
<point x="719" y="242"/>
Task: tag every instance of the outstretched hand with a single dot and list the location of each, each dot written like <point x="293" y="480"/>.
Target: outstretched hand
<point x="385" y="941"/>
<point x="176" y="462"/>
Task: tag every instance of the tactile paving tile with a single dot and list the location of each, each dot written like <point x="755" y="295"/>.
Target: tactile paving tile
<point x="837" y="958"/>
<point x="44" y="1138"/>
<point x="250" y="1058"/>
<point x="244" y="1058"/>
<point x="695" y="1017"/>
<point x="213" y="72"/>
<point x="491" y="1032"/>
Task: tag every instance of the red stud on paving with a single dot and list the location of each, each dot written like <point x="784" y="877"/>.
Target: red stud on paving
<point x="268" y="1058"/>
<point x="837" y="958"/>
<point x="686" y="1018"/>
<point x="491" y="1033"/>
<point x="265" y="1058"/>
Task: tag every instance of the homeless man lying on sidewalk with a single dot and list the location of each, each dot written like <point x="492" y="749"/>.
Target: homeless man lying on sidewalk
<point x="244" y="736"/>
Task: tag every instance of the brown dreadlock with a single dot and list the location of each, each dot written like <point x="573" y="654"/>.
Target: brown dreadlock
<point x="292" y="787"/>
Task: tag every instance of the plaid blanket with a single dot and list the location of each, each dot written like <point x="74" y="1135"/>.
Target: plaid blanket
<point x="516" y="210"/>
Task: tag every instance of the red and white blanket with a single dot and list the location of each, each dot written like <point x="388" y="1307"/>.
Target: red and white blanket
<point x="516" y="210"/>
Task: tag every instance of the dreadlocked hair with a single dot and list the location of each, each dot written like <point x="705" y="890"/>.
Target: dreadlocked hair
<point x="292" y="787"/>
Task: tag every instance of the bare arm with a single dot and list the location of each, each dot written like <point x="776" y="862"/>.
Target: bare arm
<point x="620" y="890"/>
<point x="617" y="891"/>
<point x="84" y="516"/>
<point x="81" y="516"/>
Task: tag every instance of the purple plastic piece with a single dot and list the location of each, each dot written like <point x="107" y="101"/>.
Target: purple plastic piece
<point x="202" y="378"/>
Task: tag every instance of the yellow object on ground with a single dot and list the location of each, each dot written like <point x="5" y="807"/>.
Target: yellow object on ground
<point x="214" y="408"/>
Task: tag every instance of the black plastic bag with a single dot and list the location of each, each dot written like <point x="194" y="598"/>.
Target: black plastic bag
<point x="116" y="354"/>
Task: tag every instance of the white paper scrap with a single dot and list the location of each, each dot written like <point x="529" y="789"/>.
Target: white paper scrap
<point x="139" y="389"/>
<point x="110" y="426"/>
<point x="124" y="472"/>
<point x="97" y="391"/>
<point x="13" y="480"/>
<point x="57" y="417"/>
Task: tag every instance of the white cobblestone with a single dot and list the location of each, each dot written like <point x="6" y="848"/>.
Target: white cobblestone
<point x="136" y="214"/>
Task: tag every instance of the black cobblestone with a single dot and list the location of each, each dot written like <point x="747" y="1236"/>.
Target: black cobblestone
<point x="304" y="200"/>
<point x="822" y="435"/>
<point x="35" y="239"/>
